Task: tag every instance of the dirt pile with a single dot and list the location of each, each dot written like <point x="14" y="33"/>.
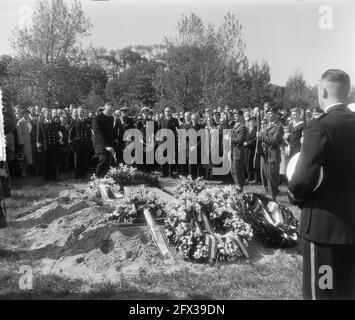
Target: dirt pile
<point x="70" y="236"/>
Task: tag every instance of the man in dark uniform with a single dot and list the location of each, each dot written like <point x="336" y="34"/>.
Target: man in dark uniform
<point x="271" y="139"/>
<point x="239" y="136"/>
<point x="54" y="137"/>
<point x="169" y="122"/>
<point x="80" y="140"/>
<point x="41" y="140"/>
<point x="103" y="139"/>
<point x="142" y="127"/>
<point x="327" y="222"/>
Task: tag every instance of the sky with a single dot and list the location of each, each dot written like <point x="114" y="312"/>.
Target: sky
<point x="291" y="35"/>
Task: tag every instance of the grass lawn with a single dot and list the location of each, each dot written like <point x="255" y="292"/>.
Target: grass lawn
<point x="270" y="273"/>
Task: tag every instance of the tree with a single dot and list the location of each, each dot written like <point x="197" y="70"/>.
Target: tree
<point x="48" y="53"/>
<point x="202" y="66"/>
<point x="298" y="93"/>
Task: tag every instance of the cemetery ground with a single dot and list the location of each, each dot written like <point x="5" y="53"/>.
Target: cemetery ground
<point x="270" y="273"/>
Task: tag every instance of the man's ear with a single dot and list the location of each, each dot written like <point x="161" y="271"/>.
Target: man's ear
<point x="325" y="93"/>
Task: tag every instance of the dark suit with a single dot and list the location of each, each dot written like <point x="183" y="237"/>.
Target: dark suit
<point x="271" y="139"/>
<point x="80" y="139"/>
<point x="102" y="126"/>
<point x="172" y="124"/>
<point x="328" y="214"/>
<point x="239" y="136"/>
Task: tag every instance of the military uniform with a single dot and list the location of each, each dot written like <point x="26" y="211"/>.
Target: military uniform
<point x="55" y="140"/>
<point x="239" y="136"/>
<point x="327" y="223"/>
<point x="271" y="139"/>
<point x="80" y="139"/>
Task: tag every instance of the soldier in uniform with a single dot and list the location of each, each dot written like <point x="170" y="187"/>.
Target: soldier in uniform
<point x="239" y="136"/>
<point x="141" y="126"/>
<point x="80" y="140"/>
<point x="271" y="139"/>
<point x="55" y="140"/>
<point x="327" y="223"/>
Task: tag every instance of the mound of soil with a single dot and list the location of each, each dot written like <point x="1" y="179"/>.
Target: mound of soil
<point x="71" y="236"/>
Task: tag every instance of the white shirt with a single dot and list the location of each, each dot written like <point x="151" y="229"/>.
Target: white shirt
<point x="332" y="105"/>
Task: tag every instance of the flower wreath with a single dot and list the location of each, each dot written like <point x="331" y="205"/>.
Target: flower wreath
<point x="206" y="226"/>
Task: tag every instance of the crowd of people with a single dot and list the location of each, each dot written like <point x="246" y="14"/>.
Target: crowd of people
<point x="49" y="142"/>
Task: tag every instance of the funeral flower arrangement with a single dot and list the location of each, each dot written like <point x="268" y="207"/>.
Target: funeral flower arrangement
<point x="131" y="207"/>
<point x="187" y="184"/>
<point x="125" y="175"/>
<point x="93" y="192"/>
<point x="205" y="224"/>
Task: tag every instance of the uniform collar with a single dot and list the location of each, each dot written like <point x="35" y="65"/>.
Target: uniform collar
<point x="327" y="109"/>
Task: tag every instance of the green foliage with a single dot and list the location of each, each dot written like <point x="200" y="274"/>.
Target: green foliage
<point x="48" y="58"/>
<point x="298" y="93"/>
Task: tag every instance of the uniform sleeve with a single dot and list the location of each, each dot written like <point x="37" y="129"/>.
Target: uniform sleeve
<point x="274" y="140"/>
<point x="240" y="136"/>
<point x="307" y="169"/>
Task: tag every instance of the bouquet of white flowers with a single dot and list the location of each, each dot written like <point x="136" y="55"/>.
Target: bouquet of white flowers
<point x="132" y="206"/>
<point x="125" y="175"/>
<point x="187" y="184"/>
<point x="206" y="225"/>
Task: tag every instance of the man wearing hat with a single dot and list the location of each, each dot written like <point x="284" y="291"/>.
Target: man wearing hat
<point x="271" y="138"/>
<point x="148" y="145"/>
<point x="327" y="223"/>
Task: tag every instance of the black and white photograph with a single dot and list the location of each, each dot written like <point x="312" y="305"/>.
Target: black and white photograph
<point x="198" y="152"/>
